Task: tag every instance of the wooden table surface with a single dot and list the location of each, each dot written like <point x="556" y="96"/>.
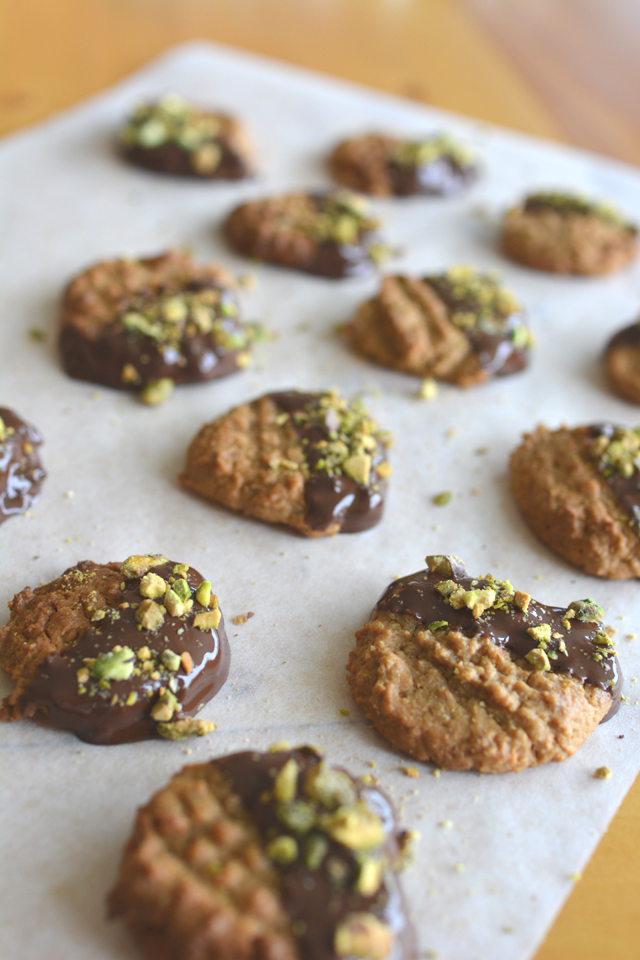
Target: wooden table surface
<point x="563" y="69"/>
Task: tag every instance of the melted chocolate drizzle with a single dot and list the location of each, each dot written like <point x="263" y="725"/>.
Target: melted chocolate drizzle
<point x="496" y="352"/>
<point x="21" y="473"/>
<point x="315" y="903"/>
<point x="416" y="596"/>
<point x="338" y="260"/>
<point x="89" y="714"/>
<point x="625" y="489"/>
<point x="171" y="158"/>
<point x="440" y="177"/>
<point x="355" y="506"/>
<point x="199" y="357"/>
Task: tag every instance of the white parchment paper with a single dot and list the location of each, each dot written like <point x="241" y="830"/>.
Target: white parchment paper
<point x="496" y="853"/>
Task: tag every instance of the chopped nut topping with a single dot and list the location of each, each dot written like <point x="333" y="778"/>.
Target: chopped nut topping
<point x="116" y="665"/>
<point x="185" y="727"/>
<point x="585" y="610"/>
<point x="150" y="615"/>
<point x="187" y="661"/>
<point x="331" y="788"/>
<point x="363" y="936"/>
<point x="152" y="586"/>
<point x="137" y="566"/>
<point x="283" y="849"/>
<point x="522" y="600"/>
<point x="286" y="783"/>
<point x="165" y="706"/>
<point x="357" y="827"/>
<point x="207" y="621"/>
<point x="369" y="876"/>
<point x="442" y="499"/>
<point x="538" y="659"/>
<point x="157" y="391"/>
<point x="170" y="660"/>
<point x="203" y="593"/>
<point x="571" y="204"/>
<point x="602" y="773"/>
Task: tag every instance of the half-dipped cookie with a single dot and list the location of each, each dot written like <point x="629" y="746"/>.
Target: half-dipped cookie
<point x="622" y="362"/>
<point x="579" y="491"/>
<point x="313" y="461"/>
<point x="176" y="137"/>
<point x="329" y="234"/>
<point x="117" y="652"/>
<point x="384" y="166"/>
<point x="21" y="473"/>
<point x="151" y="323"/>
<point x="265" y="856"/>
<point x="566" y="233"/>
<point x="471" y="674"/>
<point x="460" y="326"/>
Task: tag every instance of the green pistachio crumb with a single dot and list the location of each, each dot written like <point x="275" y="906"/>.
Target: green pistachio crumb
<point x="157" y="391"/>
<point x="170" y="660"/>
<point x="164" y="707"/>
<point x="149" y="615"/>
<point x="207" y="621"/>
<point x="116" y="665"/>
<point x="538" y="659"/>
<point x="283" y="849"/>
<point x="185" y="727"/>
<point x="203" y="593"/>
<point x="602" y="773"/>
<point x="541" y="634"/>
<point x="286" y="782"/>
<point x="442" y="499"/>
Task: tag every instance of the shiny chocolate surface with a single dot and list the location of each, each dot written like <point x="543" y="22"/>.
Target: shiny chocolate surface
<point x="318" y="899"/>
<point x="21" y="473"/>
<point x="120" y="711"/>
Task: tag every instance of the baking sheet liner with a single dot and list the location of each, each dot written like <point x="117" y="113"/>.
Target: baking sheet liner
<point x="487" y="885"/>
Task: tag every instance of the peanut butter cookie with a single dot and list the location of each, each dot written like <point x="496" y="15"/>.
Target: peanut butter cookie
<point x="21" y="473"/>
<point x="470" y="674"/>
<point x="579" y="491"/>
<point x="385" y="166"/>
<point x="149" y="324"/>
<point x="460" y="326"/>
<point x="565" y="233"/>
<point x="316" y="462"/>
<point x="255" y="856"/>
<point x="330" y="234"/>
<point x="174" y="136"/>
<point x="117" y="652"/>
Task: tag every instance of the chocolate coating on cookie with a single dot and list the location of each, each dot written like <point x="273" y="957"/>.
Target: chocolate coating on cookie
<point x="112" y="664"/>
<point x="21" y="473"/>
<point x="460" y="326"/>
<point x="305" y="839"/>
<point x="329" y="234"/>
<point x="470" y="674"/>
<point x="622" y="362"/>
<point x="175" y="137"/>
<point x="566" y="233"/>
<point x="388" y="166"/>
<point x="316" y="462"/>
<point x="578" y="491"/>
<point x="128" y="324"/>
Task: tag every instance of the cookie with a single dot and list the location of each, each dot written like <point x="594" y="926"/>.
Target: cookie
<point x="117" y="652"/>
<point x="329" y="234"/>
<point x="313" y="461"/>
<point x="470" y="674"/>
<point x="264" y="856"/>
<point x="176" y="137"/>
<point x="460" y="326"/>
<point x="386" y="166"/>
<point x="622" y="362"/>
<point x="565" y="233"/>
<point x="578" y="489"/>
<point x="151" y="323"/>
<point x="21" y="473"/>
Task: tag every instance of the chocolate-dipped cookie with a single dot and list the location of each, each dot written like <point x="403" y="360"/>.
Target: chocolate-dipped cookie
<point x="21" y="473"/>
<point x="117" y="652"/>
<point x="176" y="137"/>
<point x="622" y="362"/>
<point x="256" y="856"/>
<point x="384" y="166"/>
<point x="149" y="324"/>
<point x="461" y="326"/>
<point x="313" y="461"/>
<point x="579" y="491"/>
<point x="566" y="233"/>
<point x="330" y="234"/>
<point x="472" y="674"/>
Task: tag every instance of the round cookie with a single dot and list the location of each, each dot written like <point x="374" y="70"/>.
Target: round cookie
<point x="256" y="856"/>
<point x="329" y="234"/>
<point x="21" y="473"/>
<point x="384" y="166"/>
<point x="578" y="491"/>
<point x="460" y="326"/>
<point x="117" y="652"/>
<point x="313" y="461"/>
<point x="151" y="323"/>
<point x="564" y="233"/>
<point x="175" y="137"/>
<point x="622" y="362"/>
<point x="470" y="674"/>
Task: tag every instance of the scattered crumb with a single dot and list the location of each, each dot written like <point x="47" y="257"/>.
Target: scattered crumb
<point x="460" y="868"/>
<point x="481" y="450"/>
<point x="370" y="763"/>
<point x="428" y="389"/>
<point x="602" y="773"/>
<point x="447" y="823"/>
<point x="410" y="771"/>
<point x="575" y="877"/>
<point x="242" y="618"/>
<point x="37" y="335"/>
<point x="368" y="779"/>
<point x="436" y="772"/>
<point x="69" y="494"/>
<point x="279" y="745"/>
<point x="342" y="712"/>
<point x="442" y="499"/>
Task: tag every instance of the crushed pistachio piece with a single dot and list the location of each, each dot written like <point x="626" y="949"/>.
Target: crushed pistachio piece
<point x="182" y="589"/>
<point x="428" y="389"/>
<point x="357" y="827"/>
<point x="82" y="675"/>
<point x="522" y="600"/>
<point x="283" y="849"/>
<point x="131" y="699"/>
<point x="587" y="611"/>
<point x="144" y="653"/>
<point x="165" y="706"/>
<point x="207" y="621"/>
<point x="314" y="851"/>
<point x="299" y="817"/>
<point x="137" y="566"/>
<point x="149" y="615"/>
<point x="437" y="625"/>
<point x="173" y="604"/>
<point x="185" y="727"/>
<point x="203" y="593"/>
<point x="538" y="659"/>
<point x="157" y="391"/>
<point x="286" y="782"/>
<point x="329" y="787"/>
<point x="152" y="586"/>
<point x="170" y="660"/>
<point x="118" y="664"/>
<point x="541" y="634"/>
<point x="369" y="876"/>
<point x="602" y="773"/>
<point x="363" y="936"/>
<point x="442" y="499"/>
